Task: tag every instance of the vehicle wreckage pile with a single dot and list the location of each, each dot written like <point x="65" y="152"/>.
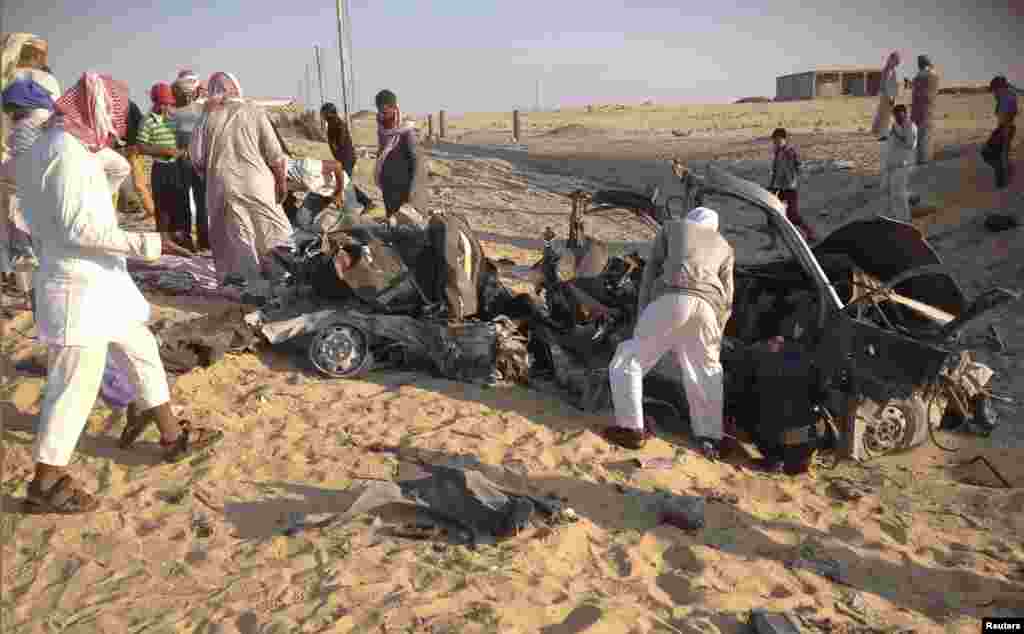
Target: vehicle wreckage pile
<point x="854" y="344"/>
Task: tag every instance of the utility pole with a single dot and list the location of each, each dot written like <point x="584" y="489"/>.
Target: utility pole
<point x="342" y="7"/>
<point x="309" y="89"/>
<point x="319" y="72"/>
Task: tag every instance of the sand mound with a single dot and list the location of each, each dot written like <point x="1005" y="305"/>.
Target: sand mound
<point x="573" y="129"/>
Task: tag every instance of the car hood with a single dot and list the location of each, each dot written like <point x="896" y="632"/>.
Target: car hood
<point x="886" y="249"/>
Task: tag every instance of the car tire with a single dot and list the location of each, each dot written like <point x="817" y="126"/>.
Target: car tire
<point x="896" y="425"/>
<point x="341" y="351"/>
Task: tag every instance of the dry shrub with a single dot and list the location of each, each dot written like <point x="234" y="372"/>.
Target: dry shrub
<point x="755" y="100"/>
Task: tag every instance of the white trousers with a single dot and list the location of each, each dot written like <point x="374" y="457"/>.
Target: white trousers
<point x="899" y="194"/>
<point x="688" y="327"/>
<point x="73" y="383"/>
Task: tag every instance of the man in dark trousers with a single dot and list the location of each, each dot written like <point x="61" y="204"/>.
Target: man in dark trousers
<point x="340" y="140"/>
<point x="997" y="150"/>
<point x="187" y="116"/>
<point x="785" y="181"/>
<point x="401" y="171"/>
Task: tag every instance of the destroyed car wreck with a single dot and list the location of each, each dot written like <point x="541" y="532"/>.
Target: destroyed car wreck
<point x="869" y="314"/>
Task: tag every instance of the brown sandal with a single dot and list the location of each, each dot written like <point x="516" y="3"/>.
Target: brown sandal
<point x="190" y="442"/>
<point x="64" y="497"/>
<point x="625" y="437"/>
<point x="133" y="428"/>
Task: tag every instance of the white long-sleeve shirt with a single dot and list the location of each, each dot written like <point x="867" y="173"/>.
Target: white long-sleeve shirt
<point x="83" y="291"/>
<point x="902" y="144"/>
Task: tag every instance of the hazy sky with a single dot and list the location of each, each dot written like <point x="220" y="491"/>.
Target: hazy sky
<point x="485" y="55"/>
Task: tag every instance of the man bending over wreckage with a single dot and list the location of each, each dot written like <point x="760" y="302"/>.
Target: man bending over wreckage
<point x="325" y="183"/>
<point x="87" y="302"/>
<point x="685" y="302"/>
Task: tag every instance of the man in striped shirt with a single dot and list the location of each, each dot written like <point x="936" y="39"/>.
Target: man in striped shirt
<point x="158" y="139"/>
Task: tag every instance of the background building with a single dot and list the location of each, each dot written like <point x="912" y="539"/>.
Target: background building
<point x="832" y="81"/>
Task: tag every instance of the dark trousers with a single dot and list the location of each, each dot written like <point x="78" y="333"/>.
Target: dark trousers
<point x="997" y="154"/>
<point x="193" y="183"/>
<point x="361" y="196"/>
<point x="172" y="211"/>
<point x="792" y="199"/>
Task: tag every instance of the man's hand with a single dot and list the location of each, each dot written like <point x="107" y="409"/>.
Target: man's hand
<point x="169" y="247"/>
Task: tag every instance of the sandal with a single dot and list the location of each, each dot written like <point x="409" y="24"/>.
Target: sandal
<point x="625" y="437"/>
<point x="137" y="423"/>
<point x="64" y="497"/>
<point x="191" y="441"/>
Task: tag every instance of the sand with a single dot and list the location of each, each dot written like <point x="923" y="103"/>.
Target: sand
<point x="921" y="543"/>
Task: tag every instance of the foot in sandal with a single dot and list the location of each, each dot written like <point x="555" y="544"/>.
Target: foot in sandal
<point x="65" y="496"/>
<point x="191" y="441"/>
<point x="179" y="440"/>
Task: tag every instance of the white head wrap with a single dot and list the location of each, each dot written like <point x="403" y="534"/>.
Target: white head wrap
<point x="704" y="217"/>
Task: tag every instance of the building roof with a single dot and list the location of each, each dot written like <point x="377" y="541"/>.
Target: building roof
<point x="837" y="69"/>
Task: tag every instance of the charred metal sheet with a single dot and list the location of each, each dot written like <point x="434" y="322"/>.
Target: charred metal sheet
<point x="881" y="246"/>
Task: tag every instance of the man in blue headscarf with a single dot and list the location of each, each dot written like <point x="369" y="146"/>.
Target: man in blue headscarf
<point x="30" y="104"/>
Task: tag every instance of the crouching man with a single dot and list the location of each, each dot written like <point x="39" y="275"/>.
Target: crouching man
<point x="86" y="302"/>
<point x="685" y="301"/>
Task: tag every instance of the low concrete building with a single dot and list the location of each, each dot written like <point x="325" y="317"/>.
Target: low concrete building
<point x="830" y="81"/>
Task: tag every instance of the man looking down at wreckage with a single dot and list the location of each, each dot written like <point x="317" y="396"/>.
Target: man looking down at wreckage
<point x="86" y="301"/>
<point x="685" y="301"/>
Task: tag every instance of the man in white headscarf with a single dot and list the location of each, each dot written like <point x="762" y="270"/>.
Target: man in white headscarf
<point x="685" y="301"/>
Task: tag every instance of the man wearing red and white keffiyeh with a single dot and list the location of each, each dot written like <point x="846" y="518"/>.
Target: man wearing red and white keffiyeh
<point x="86" y="303"/>
<point x="95" y="111"/>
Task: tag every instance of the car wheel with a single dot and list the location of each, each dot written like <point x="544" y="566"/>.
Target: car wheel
<point x="894" y="425"/>
<point x="341" y="351"/>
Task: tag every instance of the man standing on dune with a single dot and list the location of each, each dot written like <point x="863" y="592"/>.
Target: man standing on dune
<point x="997" y="150"/>
<point x="887" y="93"/>
<point x="903" y="141"/>
<point x="785" y="180"/>
<point x="922" y="106"/>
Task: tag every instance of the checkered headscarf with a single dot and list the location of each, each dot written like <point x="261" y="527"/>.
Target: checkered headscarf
<point x="95" y="111"/>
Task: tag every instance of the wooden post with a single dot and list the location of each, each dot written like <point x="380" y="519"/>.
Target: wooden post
<point x="515" y="125"/>
<point x="440" y="124"/>
<point x="430" y="126"/>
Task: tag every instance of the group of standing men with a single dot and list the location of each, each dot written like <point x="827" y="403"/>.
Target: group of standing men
<point x="906" y="138"/>
<point x="66" y="157"/>
<point x="61" y="173"/>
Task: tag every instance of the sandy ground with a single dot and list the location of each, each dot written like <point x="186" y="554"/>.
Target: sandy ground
<point x="922" y="544"/>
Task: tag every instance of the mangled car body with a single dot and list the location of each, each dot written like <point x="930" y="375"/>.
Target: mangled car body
<point x="869" y="312"/>
<point x="870" y="309"/>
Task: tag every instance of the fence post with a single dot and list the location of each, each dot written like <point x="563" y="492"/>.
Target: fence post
<point x="440" y="124"/>
<point x="430" y="126"/>
<point x="515" y="125"/>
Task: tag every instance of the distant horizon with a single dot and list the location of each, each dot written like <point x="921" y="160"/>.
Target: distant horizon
<point x="490" y="56"/>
